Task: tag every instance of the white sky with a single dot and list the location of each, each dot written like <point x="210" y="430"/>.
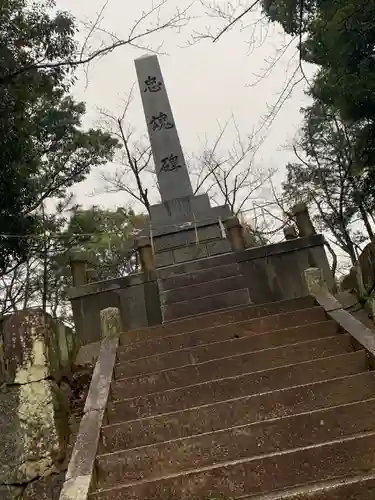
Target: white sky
<point x="206" y="83"/>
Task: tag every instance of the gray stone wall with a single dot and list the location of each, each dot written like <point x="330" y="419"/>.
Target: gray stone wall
<point x="273" y="272"/>
<point x="136" y="296"/>
<point x="36" y="358"/>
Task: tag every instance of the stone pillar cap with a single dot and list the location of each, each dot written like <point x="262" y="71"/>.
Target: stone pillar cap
<point x="142" y="241"/>
<point x="232" y="222"/>
<point x="298" y="208"/>
<point x="78" y="256"/>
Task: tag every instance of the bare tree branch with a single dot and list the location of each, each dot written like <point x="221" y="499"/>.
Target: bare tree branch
<point x="137" y="33"/>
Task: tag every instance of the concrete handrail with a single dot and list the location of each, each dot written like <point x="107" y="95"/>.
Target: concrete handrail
<point x="79" y="476"/>
<point x="335" y="310"/>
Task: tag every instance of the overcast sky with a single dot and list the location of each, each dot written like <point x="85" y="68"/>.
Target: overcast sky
<point x="206" y="82"/>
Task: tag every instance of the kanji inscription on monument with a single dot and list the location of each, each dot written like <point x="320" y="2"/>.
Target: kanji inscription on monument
<point x="173" y="177"/>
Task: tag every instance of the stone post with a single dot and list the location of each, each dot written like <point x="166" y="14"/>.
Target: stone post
<point x="110" y="321"/>
<point x="315" y="281"/>
<point x="144" y="248"/>
<point x="303" y="221"/>
<point x="91" y="275"/>
<point x="290" y="233"/>
<point x="78" y="265"/>
<point x="235" y="234"/>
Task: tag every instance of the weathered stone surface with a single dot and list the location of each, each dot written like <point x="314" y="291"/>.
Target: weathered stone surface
<point x="30" y="347"/>
<point x="207" y="304"/>
<point x="256" y="475"/>
<point x="190" y="252"/>
<point x="101" y="380"/>
<point x="88" y="354"/>
<point x="204" y="289"/>
<point x="198" y="277"/>
<point x="232" y="387"/>
<point x="173" y="240"/>
<point x="215" y="334"/>
<point x="34" y="430"/>
<point x="70" y="342"/>
<point x="83" y="456"/>
<point x="76" y="488"/>
<point x="217" y="350"/>
<point x="221" y="318"/>
<point x="231" y="366"/>
<point x="163" y="259"/>
<point x="363" y="335"/>
<point x="110" y="322"/>
<point x="303" y="220"/>
<point x="47" y="488"/>
<point x="11" y="492"/>
<point x="218" y="247"/>
<point x="314" y="277"/>
<point x="62" y="342"/>
<point x="297" y="431"/>
<point x="238" y="411"/>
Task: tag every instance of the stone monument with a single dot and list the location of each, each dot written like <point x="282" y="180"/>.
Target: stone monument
<point x="180" y="210"/>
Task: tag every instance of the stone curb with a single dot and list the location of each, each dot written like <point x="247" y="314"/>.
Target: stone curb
<point x="353" y="326"/>
<point x="80" y="473"/>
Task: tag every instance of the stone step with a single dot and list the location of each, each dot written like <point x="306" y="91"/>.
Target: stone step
<point x="351" y="488"/>
<point x="202" y="276"/>
<point x="232" y="366"/>
<point x="216" y="319"/>
<point x="258" y="475"/>
<point x="239" y="411"/>
<point x="197" y="265"/>
<point x="232" y="387"/>
<point x="187" y="253"/>
<point x="206" y="289"/>
<point x="225" y="348"/>
<point x="206" y="304"/>
<point x="276" y="435"/>
<point x="218" y="333"/>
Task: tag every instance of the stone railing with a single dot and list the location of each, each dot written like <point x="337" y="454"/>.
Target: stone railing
<point x="363" y="336"/>
<point x="80" y="474"/>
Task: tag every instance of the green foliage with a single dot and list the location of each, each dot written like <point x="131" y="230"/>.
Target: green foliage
<point x="44" y="149"/>
<point x="339" y="37"/>
<point x="336" y="151"/>
<point x="108" y="238"/>
<point x="330" y="177"/>
<point x="106" y="235"/>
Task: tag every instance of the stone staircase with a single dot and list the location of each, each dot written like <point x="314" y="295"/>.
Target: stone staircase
<point x="202" y="291"/>
<point x="268" y="401"/>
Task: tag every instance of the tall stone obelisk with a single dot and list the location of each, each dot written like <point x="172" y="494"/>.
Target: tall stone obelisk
<point x="173" y="177"/>
<point x="178" y="202"/>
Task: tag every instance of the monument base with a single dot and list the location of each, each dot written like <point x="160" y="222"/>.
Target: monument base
<point x="188" y="229"/>
<point x="174" y="215"/>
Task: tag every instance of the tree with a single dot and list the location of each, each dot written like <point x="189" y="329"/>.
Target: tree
<point x="44" y="149"/>
<point x="230" y="175"/>
<point x="108" y="237"/>
<point x="329" y="177"/>
<point x="42" y="280"/>
<point x="135" y="175"/>
<point x="97" y="40"/>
